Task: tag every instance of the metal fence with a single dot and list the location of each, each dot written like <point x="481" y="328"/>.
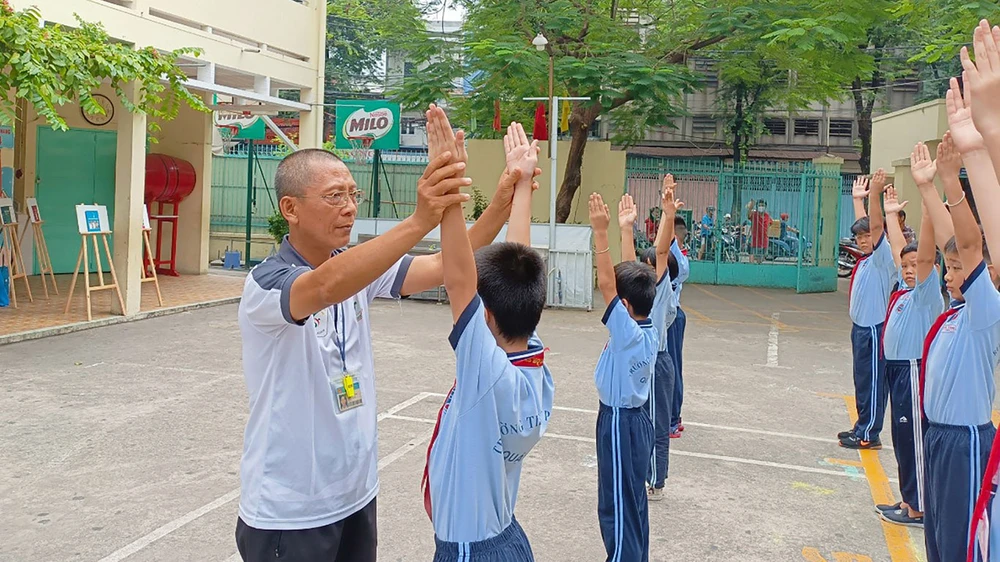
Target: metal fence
<point x="757" y="224"/>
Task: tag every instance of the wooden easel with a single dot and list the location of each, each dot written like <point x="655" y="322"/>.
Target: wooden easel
<point x="44" y="261"/>
<point x="85" y="260"/>
<point x="150" y="265"/>
<point x="17" y="269"/>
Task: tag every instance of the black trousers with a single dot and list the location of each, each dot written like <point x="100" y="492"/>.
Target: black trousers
<point x="870" y="389"/>
<point x="907" y="429"/>
<point x="661" y="395"/>
<point x="350" y="540"/>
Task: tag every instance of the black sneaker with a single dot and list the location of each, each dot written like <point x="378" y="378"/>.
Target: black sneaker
<point x="886" y="507"/>
<point x="855" y="442"/>
<point x="845" y="434"/>
<point x="902" y="517"/>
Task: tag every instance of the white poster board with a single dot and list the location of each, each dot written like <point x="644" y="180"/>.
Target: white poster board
<point x="7" y="215"/>
<point x="145" y="218"/>
<point x="33" y="213"/>
<point x="93" y="219"/>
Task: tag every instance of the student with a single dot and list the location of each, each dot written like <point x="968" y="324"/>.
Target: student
<point x="869" y="298"/>
<point x="675" y="335"/>
<point x="499" y="406"/>
<point x="622" y="376"/>
<point x="912" y="311"/>
<point x="662" y="384"/>
<point x="959" y="358"/>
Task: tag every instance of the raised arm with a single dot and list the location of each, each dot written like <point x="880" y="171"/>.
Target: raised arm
<point x="978" y="165"/>
<point x="522" y="157"/>
<point x="923" y="170"/>
<point x="860" y="192"/>
<point x="967" y="234"/>
<point x="626" y="221"/>
<point x="926" y="251"/>
<point x="600" y="218"/>
<point x="982" y="81"/>
<point x="897" y="241"/>
<point x="875" y="216"/>
<point x="665" y="236"/>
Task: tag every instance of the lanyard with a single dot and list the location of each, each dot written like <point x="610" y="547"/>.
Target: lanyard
<point x="341" y="329"/>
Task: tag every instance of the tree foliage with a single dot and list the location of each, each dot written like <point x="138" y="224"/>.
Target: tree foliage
<point x="52" y="66"/>
<point x="948" y="24"/>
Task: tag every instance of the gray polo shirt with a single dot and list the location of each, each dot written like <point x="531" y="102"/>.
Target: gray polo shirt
<point x="305" y="463"/>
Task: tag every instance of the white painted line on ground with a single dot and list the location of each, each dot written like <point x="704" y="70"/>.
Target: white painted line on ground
<point x="160" y="532"/>
<point x="406" y="448"/>
<point x="178" y="369"/>
<point x="772" y="342"/>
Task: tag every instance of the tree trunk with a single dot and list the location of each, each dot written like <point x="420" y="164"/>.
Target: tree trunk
<point x="863" y="113"/>
<point x="580" y="120"/>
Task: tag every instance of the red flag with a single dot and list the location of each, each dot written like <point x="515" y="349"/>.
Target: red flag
<point x="496" y="116"/>
<point x="541" y="131"/>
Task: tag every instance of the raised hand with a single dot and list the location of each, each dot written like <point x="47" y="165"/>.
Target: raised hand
<point x="982" y="79"/>
<point x="441" y="137"/>
<point x="438" y="188"/>
<point x="520" y="153"/>
<point x="860" y="189"/>
<point x="600" y="217"/>
<point x="963" y="130"/>
<point x="922" y="168"/>
<point x="627" y="212"/>
<point x="892" y="203"/>
<point x="878" y="181"/>
<point x="667" y="202"/>
<point x="949" y="159"/>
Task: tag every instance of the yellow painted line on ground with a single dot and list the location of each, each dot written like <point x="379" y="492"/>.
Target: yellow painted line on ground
<point x="996" y="418"/>
<point x="698" y="315"/>
<point x="842" y="462"/>
<point x="897" y="538"/>
<point x="739" y="306"/>
<point x="783" y="303"/>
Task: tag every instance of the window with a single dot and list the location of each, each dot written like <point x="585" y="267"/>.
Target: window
<point x="843" y="128"/>
<point x="703" y="126"/>
<point x="776" y="127"/>
<point x="807" y="127"/>
<point x="706" y="68"/>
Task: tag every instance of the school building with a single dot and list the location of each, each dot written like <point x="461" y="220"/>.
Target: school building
<point x="247" y="56"/>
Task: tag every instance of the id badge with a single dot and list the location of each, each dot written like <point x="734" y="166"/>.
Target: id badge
<point x="347" y="389"/>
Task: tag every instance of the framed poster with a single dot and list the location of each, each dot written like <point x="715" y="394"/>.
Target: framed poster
<point x="92" y="219"/>
<point x="7" y="215"/>
<point x="145" y="218"/>
<point x="33" y="214"/>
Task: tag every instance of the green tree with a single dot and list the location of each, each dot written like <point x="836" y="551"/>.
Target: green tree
<point x="948" y="24"/>
<point x="51" y="66"/>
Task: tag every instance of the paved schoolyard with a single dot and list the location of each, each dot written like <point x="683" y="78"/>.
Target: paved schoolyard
<point x="123" y="443"/>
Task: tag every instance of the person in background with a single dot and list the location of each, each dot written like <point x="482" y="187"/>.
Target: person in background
<point x="705" y="232"/>
<point x="675" y="334"/>
<point x="759" y="223"/>
<point x="908" y="233"/>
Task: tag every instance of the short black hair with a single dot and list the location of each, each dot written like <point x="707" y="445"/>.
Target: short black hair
<point x="861" y="226"/>
<point x="295" y="172"/>
<point x="952" y="248"/>
<point x="512" y="286"/>
<point x="649" y="256"/>
<point x="636" y="283"/>
<point x="679" y="221"/>
<point x="908" y="249"/>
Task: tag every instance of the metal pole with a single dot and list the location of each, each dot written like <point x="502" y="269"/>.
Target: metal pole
<point x="376" y="194"/>
<point x="249" y="199"/>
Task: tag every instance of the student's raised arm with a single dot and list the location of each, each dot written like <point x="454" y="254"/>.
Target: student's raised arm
<point x="897" y="240"/>
<point x="982" y="85"/>
<point x="665" y="235"/>
<point x="978" y="165"/>
<point x="626" y="222"/>
<point x="522" y="157"/>
<point x="875" y="216"/>
<point x="859" y="192"/>
<point x="926" y="251"/>
<point x="600" y="218"/>
<point x="923" y="170"/>
<point x="968" y="237"/>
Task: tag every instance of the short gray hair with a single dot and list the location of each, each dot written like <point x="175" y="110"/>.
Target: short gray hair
<point x="295" y="172"/>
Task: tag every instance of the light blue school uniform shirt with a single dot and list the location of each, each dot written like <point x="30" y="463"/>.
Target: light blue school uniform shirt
<point x="871" y="285"/>
<point x="626" y="364"/>
<point x="493" y="416"/>
<point x="664" y="309"/>
<point x="958" y="380"/>
<point x="911" y="317"/>
<point x="683" y="270"/>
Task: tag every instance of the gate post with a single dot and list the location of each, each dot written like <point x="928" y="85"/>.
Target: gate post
<point x="826" y="213"/>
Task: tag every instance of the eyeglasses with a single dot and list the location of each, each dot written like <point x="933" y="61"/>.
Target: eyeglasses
<point x="339" y="198"/>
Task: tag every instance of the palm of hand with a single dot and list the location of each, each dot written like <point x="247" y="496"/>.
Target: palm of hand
<point x="893" y="206"/>
<point x="627" y="218"/>
<point x="523" y="157"/>
<point x="964" y="132"/>
<point x="923" y="172"/>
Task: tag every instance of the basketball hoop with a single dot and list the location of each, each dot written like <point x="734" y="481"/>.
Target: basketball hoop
<point x="227" y="132"/>
<point x="361" y="149"/>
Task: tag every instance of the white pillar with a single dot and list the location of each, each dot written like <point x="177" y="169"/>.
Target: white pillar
<point x="311" y="122"/>
<point x="195" y="145"/>
<point x="130" y="183"/>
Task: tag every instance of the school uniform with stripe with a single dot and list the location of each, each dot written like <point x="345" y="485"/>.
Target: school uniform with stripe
<point x="869" y="293"/>
<point x="661" y="387"/>
<point x="960" y="354"/>
<point x="624" y="433"/>
<point x="675" y="333"/>
<point x="494" y="415"/>
<point x="911" y="313"/>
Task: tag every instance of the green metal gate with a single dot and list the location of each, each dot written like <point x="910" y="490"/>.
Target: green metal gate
<point x="757" y="224"/>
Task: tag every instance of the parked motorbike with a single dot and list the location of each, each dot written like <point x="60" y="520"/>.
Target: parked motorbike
<point x="847" y="257"/>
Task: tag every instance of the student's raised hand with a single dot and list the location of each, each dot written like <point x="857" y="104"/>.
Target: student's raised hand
<point x="982" y="78"/>
<point x="922" y="168"/>
<point x="949" y="159"/>
<point x="438" y="188"/>
<point x="668" y="202"/>
<point x="860" y="189"/>
<point x="892" y="203"/>
<point x="878" y="181"/>
<point x="627" y="213"/>
<point x="600" y="216"/>
<point x="441" y="137"/>
<point x="520" y="153"/>
<point x="963" y="130"/>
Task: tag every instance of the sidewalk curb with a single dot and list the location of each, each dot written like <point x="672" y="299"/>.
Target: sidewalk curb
<point x="81" y="326"/>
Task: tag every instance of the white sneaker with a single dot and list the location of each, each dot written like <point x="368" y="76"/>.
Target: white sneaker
<point x="654" y="494"/>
